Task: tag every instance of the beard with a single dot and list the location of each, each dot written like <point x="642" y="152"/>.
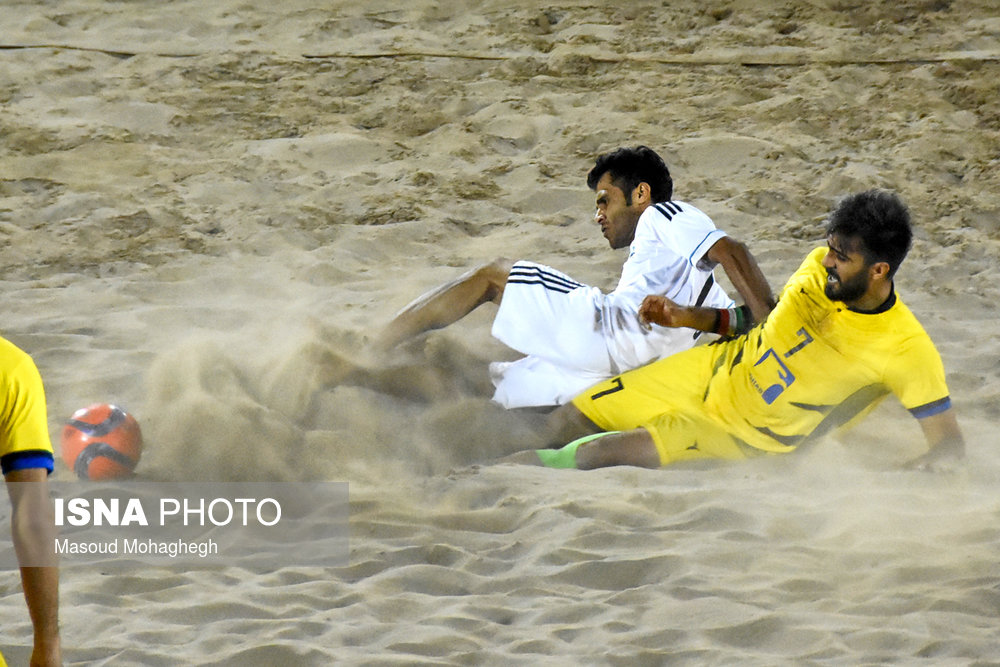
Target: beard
<point x="851" y="290"/>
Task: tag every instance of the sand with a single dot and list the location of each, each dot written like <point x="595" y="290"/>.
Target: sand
<point x="198" y="200"/>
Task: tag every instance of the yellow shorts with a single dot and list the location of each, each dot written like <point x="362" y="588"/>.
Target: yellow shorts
<point x="666" y="398"/>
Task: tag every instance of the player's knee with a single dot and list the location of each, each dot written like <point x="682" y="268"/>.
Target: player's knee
<point x="495" y="276"/>
<point x="566" y="423"/>
<point x="499" y="269"/>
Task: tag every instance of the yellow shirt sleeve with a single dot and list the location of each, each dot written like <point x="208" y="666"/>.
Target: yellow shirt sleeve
<point x="24" y="425"/>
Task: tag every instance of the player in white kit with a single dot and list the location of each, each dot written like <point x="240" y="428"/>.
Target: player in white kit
<point x="572" y="334"/>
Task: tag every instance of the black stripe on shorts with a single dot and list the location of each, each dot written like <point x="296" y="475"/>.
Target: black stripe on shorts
<point x="533" y="275"/>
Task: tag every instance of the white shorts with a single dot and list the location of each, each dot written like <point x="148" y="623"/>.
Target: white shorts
<point x="535" y="382"/>
<point x="556" y="321"/>
<point x="547" y="314"/>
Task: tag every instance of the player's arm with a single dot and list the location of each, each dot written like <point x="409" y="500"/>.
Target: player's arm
<point x="33" y="531"/>
<point x="656" y="309"/>
<point x="745" y="275"/>
<point x="944" y="440"/>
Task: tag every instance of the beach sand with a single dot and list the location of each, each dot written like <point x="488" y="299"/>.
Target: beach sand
<point x="199" y="200"/>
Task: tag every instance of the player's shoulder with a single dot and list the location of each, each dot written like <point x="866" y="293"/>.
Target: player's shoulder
<point x="814" y="259"/>
<point x="809" y="278"/>
<point x="677" y="209"/>
<point x="9" y="349"/>
<point x="677" y="220"/>
<point x="13" y="358"/>
<point x="904" y="322"/>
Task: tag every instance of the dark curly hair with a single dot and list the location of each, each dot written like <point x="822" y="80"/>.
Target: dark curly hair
<point x="880" y="221"/>
<point x="629" y="167"/>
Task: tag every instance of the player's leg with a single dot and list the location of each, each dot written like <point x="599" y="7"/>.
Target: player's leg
<point x="670" y="438"/>
<point x="567" y="423"/>
<point x="447" y="303"/>
<point x="633" y="409"/>
<point x="412" y="381"/>
<point x="626" y="448"/>
<point x="597" y="450"/>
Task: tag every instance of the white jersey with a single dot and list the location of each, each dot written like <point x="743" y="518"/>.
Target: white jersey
<point x="668" y="258"/>
<point x="575" y="335"/>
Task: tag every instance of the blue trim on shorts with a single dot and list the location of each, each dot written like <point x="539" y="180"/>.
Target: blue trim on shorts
<point x="931" y="409"/>
<point x="27" y="459"/>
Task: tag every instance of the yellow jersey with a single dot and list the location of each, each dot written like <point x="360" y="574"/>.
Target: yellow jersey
<point x="24" y="430"/>
<point x="814" y="364"/>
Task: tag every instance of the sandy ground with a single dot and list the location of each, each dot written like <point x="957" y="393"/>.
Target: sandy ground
<point x="199" y="200"/>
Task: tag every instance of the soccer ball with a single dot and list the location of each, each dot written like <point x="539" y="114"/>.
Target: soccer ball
<point x="101" y="441"/>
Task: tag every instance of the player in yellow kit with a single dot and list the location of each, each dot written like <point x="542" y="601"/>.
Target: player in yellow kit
<point x="839" y="340"/>
<point x="26" y="461"/>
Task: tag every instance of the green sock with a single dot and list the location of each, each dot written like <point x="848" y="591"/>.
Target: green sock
<point x="565" y="457"/>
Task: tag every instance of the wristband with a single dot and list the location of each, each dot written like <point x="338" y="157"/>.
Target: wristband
<point x="718" y="320"/>
<point x="722" y="322"/>
<point x="731" y="322"/>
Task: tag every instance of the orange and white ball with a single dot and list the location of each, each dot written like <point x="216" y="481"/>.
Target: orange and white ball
<point x="101" y="441"/>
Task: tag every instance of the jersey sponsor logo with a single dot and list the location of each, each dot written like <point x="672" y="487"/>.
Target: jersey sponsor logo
<point x="773" y="366"/>
<point x="777" y="377"/>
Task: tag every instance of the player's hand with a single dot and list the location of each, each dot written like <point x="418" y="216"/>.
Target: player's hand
<point x="943" y="458"/>
<point x="660" y="310"/>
